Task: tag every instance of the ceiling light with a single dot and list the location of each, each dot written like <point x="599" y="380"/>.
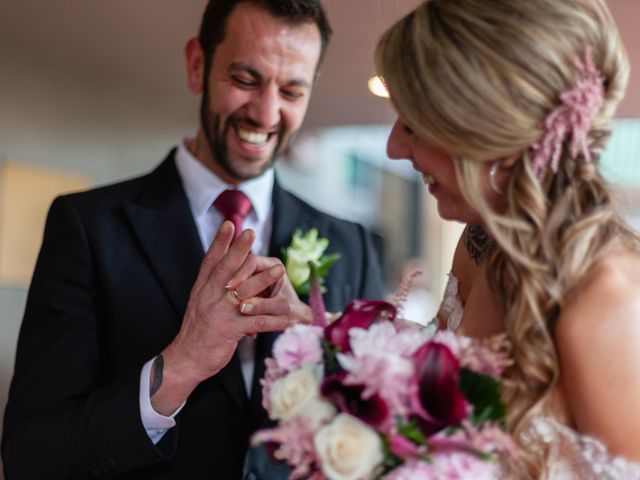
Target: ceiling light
<point x="377" y="87"/>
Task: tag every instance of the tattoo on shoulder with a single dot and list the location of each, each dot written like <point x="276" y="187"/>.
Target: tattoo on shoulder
<point x="156" y="381"/>
<point x="478" y="243"/>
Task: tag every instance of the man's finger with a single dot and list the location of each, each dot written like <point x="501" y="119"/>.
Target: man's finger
<point x="216" y="252"/>
<point x="235" y="256"/>
<point x="265" y="306"/>
<point x="258" y="283"/>
<point x="253" y="264"/>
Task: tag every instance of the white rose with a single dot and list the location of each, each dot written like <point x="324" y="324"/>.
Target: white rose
<point x="293" y="394"/>
<point x="319" y="411"/>
<point x="348" y="449"/>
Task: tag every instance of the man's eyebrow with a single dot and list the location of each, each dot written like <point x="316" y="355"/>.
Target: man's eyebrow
<point x="296" y="82"/>
<point x="247" y="68"/>
<point x="299" y="83"/>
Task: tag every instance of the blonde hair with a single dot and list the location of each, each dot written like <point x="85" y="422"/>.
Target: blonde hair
<point x="476" y="78"/>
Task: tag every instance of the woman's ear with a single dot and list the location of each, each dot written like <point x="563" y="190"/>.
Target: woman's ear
<point x="194" y="57"/>
<point x="499" y="170"/>
<point x="509" y="161"/>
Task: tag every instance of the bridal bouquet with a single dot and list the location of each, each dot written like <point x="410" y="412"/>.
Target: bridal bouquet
<point x="369" y="396"/>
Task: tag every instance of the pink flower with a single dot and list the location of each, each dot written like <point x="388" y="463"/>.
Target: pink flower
<point x="571" y="119"/>
<point x="462" y="466"/>
<point x="487" y="438"/>
<point x="382" y="361"/>
<point x="298" y="346"/>
<point x="449" y="466"/>
<point x="293" y="443"/>
<point x="415" y="470"/>
<point x="436" y="397"/>
<point x="358" y="314"/>
<point x="456" y="343"/>
<point x="490" y="356"/>
<point x="402" y="447"/>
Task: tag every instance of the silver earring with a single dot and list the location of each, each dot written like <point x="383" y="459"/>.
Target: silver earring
<point x="493" y="172"/>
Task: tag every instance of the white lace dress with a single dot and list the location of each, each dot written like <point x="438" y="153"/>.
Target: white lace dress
<point x="572" y="456"/>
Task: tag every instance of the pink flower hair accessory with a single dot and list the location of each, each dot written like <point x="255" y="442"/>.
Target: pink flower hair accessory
<point x="572" y="118"/>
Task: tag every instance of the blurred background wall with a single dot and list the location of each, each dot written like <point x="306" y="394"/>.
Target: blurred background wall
<point x="94" y="92"/>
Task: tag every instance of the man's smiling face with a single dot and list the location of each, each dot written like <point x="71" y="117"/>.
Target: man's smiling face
<point x="257" y="91"/>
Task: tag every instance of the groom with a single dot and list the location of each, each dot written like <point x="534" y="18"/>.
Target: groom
<point x="118" y="370"/>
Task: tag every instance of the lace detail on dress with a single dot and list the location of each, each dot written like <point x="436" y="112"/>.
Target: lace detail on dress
<point x="451" y="308"/>
<point x="575" y="456"/>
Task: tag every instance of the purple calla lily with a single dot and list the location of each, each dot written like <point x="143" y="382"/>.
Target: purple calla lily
<point x="373" y="410"/>
<point x="437" y="399"/>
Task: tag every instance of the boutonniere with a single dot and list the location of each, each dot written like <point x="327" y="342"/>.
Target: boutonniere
<point x="306" y="255"/>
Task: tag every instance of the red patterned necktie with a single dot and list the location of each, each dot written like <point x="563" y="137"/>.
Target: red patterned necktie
<point x="235" y="206"/>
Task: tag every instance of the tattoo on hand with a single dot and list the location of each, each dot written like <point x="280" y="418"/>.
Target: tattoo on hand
<point x="156" y="381"/>
<point x="478" y="243"/>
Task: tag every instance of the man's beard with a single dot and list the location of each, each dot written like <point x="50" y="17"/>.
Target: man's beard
<point x="217" y="141"/>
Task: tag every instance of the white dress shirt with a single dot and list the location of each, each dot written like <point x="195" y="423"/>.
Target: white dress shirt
<point x="202" y="187"/>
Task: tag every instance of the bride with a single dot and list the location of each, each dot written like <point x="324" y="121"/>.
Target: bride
<point x="504" y="108"/>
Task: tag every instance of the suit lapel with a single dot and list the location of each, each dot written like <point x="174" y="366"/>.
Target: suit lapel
<point x="289" y="215"/>
<point x="163" y="224"/>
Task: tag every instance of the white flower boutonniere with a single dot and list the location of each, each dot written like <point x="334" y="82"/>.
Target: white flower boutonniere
<point x="306" y="253"/>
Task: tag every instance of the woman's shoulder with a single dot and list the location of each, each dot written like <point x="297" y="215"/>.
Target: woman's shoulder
<point x="597" y="336"/>
<point x="604" y="305"/>
<point x="608" y="292"/>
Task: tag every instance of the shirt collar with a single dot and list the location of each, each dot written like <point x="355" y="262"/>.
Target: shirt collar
<point x="202" y="186"/>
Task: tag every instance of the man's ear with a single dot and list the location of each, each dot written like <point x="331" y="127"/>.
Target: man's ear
<point x="194" y="56"/>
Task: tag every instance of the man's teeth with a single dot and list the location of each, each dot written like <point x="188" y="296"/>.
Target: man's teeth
<point x="252" y="137"/>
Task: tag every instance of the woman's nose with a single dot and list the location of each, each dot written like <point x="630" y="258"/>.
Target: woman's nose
<point x="397" y="146"/>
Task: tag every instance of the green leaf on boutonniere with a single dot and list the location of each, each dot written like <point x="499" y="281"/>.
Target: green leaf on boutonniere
<point x="306" y="250"/>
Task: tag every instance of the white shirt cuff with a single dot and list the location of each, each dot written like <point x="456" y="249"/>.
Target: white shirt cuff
<point x="155" y="424"/>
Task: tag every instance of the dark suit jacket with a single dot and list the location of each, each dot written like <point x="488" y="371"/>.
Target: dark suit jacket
<point x="109" y="291"/>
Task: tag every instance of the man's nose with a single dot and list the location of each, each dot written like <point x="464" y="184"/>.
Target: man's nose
<point x="264" y="109"/>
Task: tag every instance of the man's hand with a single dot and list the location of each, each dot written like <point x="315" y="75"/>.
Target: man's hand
<point x="280" y="299"/>
<point x="212" y="324"/>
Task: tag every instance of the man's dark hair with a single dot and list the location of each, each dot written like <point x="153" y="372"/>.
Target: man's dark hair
<point x="296" y="12"/>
